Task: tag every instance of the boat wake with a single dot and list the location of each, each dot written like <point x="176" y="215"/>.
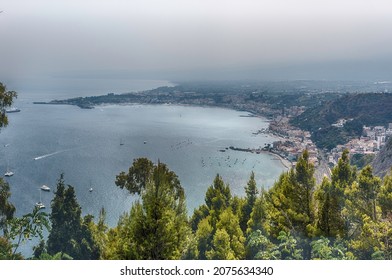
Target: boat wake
<point x="49" y="155"/>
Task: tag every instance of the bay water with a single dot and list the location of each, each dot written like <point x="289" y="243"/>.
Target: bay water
<point x="91" y="147"/>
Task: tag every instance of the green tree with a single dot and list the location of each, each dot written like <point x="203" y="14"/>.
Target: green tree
<point x="218" y="198"/>
<point x="323" y="250"/>
<point x="25" y="228"/>
<point x="198" y="215"/>
<point x="70" y="234"/>
<point x="120" y="245"/>
<point x="137" y="177"/>
<point x="221" y="249"/>
<point x="385" y="195"/>
<point x="361" y="197"/>
<point x="292" y="198"/>
<point x="99" y="233"/>
<point x="259" y="247"/>
<point x="158" y="225"/>
<point x="304" y="187"/>
<point x="250" y="200"/>
<point x="229" y="222"/>
<point x="291" y="204"/>
<point x="204" y="236"/>
<point x="221" y="212"/>
<point x="288" y="248"/>
<point x="7" y="209"/>
<point x="343" y="174"/>
<point x="278" y="205"/>
<point x="258" y="217"/>
<point x="374" y="240"/>
<point x="6" y="99"/>
<point x="330" y="221"/>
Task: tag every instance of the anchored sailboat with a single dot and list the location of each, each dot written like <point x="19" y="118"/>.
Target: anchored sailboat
<point x="39" y="204"/>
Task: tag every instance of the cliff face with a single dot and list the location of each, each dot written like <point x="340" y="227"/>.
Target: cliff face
<point x="382" y="164"/>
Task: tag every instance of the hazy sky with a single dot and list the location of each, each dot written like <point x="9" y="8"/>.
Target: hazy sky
<point x="266" y="39"/>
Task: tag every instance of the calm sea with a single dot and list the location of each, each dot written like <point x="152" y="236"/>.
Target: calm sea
<point x="92" y="146"/>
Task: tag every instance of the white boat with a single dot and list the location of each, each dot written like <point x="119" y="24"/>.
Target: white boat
<point x="40" y="205"/>
<point x="45" y="188"/>
<point x="90" y="190"/>
<point x="8" y="173"/>
<point x="12" y="110"/>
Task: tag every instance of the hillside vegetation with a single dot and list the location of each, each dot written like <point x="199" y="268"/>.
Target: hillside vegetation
<point x="369" y="109"/>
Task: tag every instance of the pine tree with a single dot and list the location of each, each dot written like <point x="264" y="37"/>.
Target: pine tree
<point x="258" y="216"/>
<point x="229" y="222"/>
<point x="343" y="174"/>
<point x="204" y="236"/>
<point x="70" y="234"/>
<point x="221" y="249"/>
<point x="374" y="240"/>
<point x="304" y="187"/>
<point x="362" y="196"/>
<point x="158" y="225"/>
<point x="385" y="196"/>
<point x="291" y="204"/>
<point x="218" y="198"/>
<point x="290" y="200"/>
<point x="250" y="200"/>
<point x="331" y="198"/>
<point x="330" y="221"/>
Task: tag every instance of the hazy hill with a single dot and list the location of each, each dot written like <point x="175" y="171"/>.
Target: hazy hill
<point x="369" y="109"/>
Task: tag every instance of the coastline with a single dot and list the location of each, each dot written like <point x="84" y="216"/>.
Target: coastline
<point x="285" y="162"/>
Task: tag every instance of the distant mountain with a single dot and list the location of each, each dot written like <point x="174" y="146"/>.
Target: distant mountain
<point x="382" y="164"/>
<point x="369" y="109"/>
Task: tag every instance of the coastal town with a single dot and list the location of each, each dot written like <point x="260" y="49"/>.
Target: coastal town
<point x="280" y="108"/>
<point x="294" y="141"/>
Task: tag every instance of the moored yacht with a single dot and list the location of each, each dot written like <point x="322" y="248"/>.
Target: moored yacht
<point x="45" y="188"/>
<point x="8" y="173"/>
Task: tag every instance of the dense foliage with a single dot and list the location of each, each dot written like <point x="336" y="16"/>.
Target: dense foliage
<point x="348" y="216"/>
<point x="6" y="99"/>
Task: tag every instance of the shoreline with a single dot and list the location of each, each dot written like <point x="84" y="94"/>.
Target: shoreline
<point x="285" y="162"/>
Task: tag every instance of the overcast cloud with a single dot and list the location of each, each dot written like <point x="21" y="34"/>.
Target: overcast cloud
<point x="181" y="39"/>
